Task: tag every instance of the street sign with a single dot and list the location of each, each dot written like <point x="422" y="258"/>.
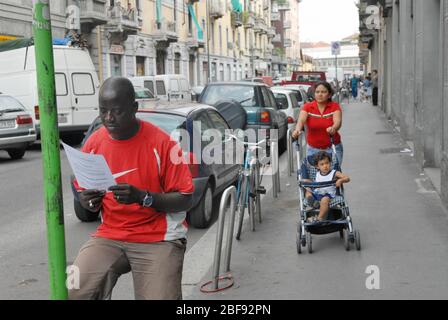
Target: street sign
<point x="335" y="48"/>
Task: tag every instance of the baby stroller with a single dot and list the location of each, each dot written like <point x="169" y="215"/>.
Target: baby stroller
<point x="338" y="218"/>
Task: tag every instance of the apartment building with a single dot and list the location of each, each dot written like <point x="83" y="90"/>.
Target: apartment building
<point x="211" y="40"/>
<point x="407" y="42"/>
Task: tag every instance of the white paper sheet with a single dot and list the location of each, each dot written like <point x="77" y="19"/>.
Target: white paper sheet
<point x="91" y="170"/>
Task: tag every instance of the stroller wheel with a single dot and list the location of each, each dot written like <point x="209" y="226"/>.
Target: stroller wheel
<point x="309" y="242"/>
<point x="299" y="239"/>
<point x="357" y="240"/>
<point x="341" y="234"/>
<point x="347" y="239"/>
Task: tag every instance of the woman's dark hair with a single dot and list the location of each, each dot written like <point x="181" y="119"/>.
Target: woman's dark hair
<point x="321" y="155"/>
<point x="327" y="86"/>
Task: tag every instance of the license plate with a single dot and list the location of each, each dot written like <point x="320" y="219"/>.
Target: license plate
<point x="62" y="118"/>
<point x="7" y="124"/>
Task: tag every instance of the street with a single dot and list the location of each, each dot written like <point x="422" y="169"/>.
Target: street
<point x="394" y="206"/>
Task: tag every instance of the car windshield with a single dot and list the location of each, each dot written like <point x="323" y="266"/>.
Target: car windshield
<point x="242" y="94"/>
<point x="166" y="122"/>
<point x="141" y="93"/>
<point x="9" y="104"/>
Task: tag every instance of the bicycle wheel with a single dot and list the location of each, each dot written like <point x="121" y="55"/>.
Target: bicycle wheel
<point x="241" y="206"/>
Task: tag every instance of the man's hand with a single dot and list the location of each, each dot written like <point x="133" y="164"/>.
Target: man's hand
<point x="91" y="199"/>
<point x="127" y="194"/>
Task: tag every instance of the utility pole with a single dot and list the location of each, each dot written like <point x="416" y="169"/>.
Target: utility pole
<point x="50" y="149"/>
<point x="207" y="8"/>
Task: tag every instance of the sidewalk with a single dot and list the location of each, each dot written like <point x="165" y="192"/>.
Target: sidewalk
<point x="402" y="223"/>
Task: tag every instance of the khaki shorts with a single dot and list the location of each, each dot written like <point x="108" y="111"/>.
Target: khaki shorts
<point x="156" y="268"/>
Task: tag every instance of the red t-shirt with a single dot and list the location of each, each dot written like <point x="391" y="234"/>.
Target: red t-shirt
<point x="144" y="162"/>
<point x="317" y="124"/>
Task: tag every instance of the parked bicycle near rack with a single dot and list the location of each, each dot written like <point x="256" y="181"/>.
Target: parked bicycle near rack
<point x="249" y="189"/>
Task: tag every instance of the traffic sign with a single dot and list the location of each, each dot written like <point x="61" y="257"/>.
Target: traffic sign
<point x="335" y="48"/>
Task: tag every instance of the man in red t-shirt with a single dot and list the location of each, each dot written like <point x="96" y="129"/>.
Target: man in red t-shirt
<point x="143" y="225"/>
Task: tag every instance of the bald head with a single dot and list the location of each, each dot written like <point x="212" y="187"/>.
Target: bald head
<point x="119" y="90"/>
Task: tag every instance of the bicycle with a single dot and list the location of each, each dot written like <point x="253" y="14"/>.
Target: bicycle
<point x="249" y="189"/>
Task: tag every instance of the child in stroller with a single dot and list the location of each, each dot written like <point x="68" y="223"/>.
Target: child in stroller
<point x="322" y="196"/>
<point x="334" y="214"/>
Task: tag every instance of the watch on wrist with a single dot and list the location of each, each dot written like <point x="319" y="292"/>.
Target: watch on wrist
<point x="147" y="200"/>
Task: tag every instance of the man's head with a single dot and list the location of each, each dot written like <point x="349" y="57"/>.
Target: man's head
<point x="323" y="162"/>
<point x="118" y="107"/>
<point x="375" y="72"/>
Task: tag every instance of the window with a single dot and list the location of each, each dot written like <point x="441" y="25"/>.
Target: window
<point x="184" y="85"/>
<point x="61" y="84"/>
<point x="218" y="121"/>
<point x="294" y="99"/>
<point x="243" y="94"/>
<point x="115" y="65"/>
<point x="177" y="63"/>
<point x="149" y="85"/>
<point x="281" y="99"/>
<point x="160" y="85"/>
<point x="140" y="61"/>
<point x="83" y="84"/>
<point x="174" y="85"/>
<point x="267" y="101"/>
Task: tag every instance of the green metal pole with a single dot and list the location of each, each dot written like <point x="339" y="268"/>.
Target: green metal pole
<point x="50" y="149"/>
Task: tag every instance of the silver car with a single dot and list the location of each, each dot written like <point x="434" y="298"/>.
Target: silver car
<point x="17" y="129"/>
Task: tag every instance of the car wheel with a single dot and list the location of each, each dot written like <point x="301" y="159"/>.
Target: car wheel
<point x="201" y="215"/>
<point x="83" y="214"/>
<point x="16" y="154"/>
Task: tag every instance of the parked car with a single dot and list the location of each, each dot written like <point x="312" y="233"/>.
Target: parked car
<point x="196" y="92"/>
<point x="288" y="104"/>
<point x="209" y="179"/>
<point x="17" y="129"/>
<point x="76" y="81"/>
<point x="300" y="92"/>
<point x="256" y="99"/>
<point x="166" y="87"/>
<point x="145" y="98"/>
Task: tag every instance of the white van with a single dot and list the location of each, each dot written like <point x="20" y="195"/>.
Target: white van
<point x="166" y="87"/>
<point x="77" y="85"/>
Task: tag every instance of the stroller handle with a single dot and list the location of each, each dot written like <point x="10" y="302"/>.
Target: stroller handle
<point x="314" y="185"/>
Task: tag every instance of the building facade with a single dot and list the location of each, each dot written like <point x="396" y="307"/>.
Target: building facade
<point x="407" y="42"/>
<point x="213" y="40"/>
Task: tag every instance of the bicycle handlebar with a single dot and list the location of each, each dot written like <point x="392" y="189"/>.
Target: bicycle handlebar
<point x="250" y="144"/>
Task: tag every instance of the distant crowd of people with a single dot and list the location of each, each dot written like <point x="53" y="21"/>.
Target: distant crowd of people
<point x="366" y="87"/>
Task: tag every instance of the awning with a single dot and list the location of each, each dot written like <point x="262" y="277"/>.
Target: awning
<point x="159" y="11"/>
<point x="15" y="44"/>
<point x="195" y="20"/>
<point x="236" y="6"/>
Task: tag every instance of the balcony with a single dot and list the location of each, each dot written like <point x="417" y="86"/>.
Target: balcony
<point x="275" y="16"/>
<point x="259" y="25"/>
<point x="287" y="24"/>
<point x="287" y="43"/>
<point x="217" y="9"/>
<point x="283" y="6"/>
<point x="266" y="4"/>
<point x="248" y="20"/>
<point x="271" y="32"/>
<point x="256" y="53"/>
<point x="193" y="42"/>
<point x="277" y="38"/>
<point x="165" y="32"/>
<point x="122" y="20"/>
<point x="92" y="13"/>
<point x="237" y="19"/>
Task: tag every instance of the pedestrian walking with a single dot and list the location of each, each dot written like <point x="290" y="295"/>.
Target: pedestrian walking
<point x="367" y="88"/>
<point x="375" y="87"/>
<point x="143" y="227"/>
<point x="354" y="84"/>
<point x="323" y="119"/>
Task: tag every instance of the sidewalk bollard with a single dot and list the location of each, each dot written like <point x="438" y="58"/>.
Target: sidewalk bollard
<point x="290" y="147"/>
<point x="274" y="168"/>
<point x="228" y="193"/>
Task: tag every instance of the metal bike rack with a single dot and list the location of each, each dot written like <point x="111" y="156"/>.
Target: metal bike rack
<point x="228" y="193"/>
<point x="290" y="151"/>
<point x="275" y="168"/>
